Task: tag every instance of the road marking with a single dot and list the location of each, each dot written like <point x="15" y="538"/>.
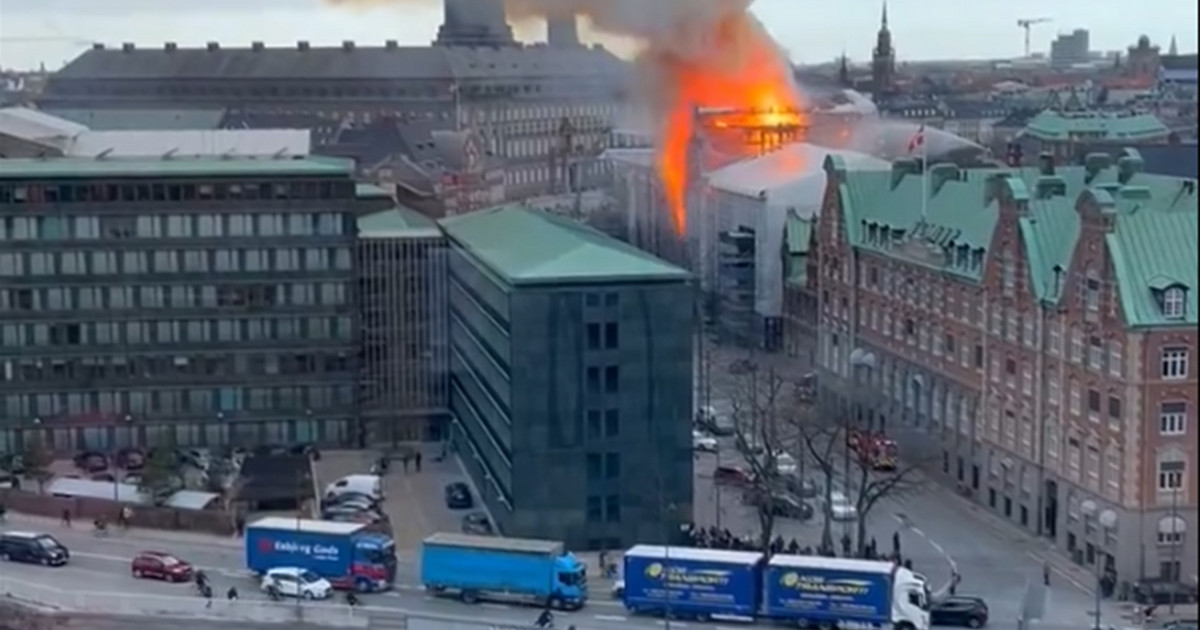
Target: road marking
<point x="917" y="531"/>
<point x="1076" y="583"/>
<point x="496" y="606"/>
<point x="674" y="624"/>
<point x="611" y="618"/>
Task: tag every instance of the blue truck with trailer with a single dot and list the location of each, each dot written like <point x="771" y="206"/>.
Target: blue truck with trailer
<point x="707" y="584"/>
<point x="494" y="568"/>
<point x="347" y="554"/>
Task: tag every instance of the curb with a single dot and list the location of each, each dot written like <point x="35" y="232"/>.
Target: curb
<point x="135" y="532"/>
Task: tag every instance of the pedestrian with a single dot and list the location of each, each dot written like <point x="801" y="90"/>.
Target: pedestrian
<point x="846" y="542"/>
<point x="404" y="461"/>
<point x="240" y="524"/>
<point x="896" y="543"/>
<point x="603" y="562"/>
<point x="417" y="460"/>
<point x="1046" y="572"/>
<point x="232" y="594"/>
<point x="66" y="517"/>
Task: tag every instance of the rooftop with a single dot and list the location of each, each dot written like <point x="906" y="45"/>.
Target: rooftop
<point x="530" y="247"/>
<point x="1153" y="242"/>
<point x="78" y="168"/>
<point x="1052" y="125"/>
<point x="398" y="222"/>
<point x="791" y="176"/>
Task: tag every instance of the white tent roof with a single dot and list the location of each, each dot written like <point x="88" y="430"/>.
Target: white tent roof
<point x="192" y="143"/>
<point x="30" y="124"/>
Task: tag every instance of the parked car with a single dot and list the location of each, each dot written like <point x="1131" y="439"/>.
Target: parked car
<point x="9" y="481"/>
<point x="1163" y="592"/>
<point x="358" y="500"/>
<point x="131" y="459"/>
<point x="731" y="475"/>
<point x="703" y="442"/>
<point x="801" y="486"/>
<point x="709" y="420"/>
<point x="477" y="523"/>
<point x="297" y="582"/>
<point x="306" y="448"/>
<point x="198" y="458"/>
<point x="458" y="496"/>
<point x="91" y="462"/>
<point x="959" y="610"/>
<point x="161" y="566"/>
<point x="840" y="508"/>
<point x="781" y="505"/>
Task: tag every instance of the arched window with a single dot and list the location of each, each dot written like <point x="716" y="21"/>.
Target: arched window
<point x="1171" y="530"/>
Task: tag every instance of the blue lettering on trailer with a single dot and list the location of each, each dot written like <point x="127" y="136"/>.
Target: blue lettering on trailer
<point x="820" y="594"/>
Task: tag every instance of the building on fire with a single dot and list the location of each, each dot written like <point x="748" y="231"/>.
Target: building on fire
<point x="1033" y="330"/>
<point x="569" y="352"/>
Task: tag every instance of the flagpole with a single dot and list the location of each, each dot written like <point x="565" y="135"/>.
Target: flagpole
<point x="924" y="175"/>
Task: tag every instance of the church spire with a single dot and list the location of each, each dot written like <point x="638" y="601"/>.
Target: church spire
<point x="884" y="22"/>
<point x="1173" y="49"/>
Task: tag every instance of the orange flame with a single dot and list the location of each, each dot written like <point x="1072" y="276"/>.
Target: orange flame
<point x="744" y="72"/>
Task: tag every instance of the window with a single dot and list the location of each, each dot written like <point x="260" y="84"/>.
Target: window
<point x="612" y="379"/>
<point x="595" y="510"/>
<point x="1171" y="530"/>
<point x="593" y="380"/>
<point x="611" y="336"/>
<point x="1116" y="359"/>
<point x="593" y="336"/>
<point x="1170" y="475"/>
<point x="1172" y="418"/>
<point x="612" y="465"/>
<point x="612" y="423"/>
<point x="595" y="467"/>
<point x="1095" y="353"/>
<point x="1114" y="407"/>
<point x="1173" y="304"/>
<point x="1076" y="345"/>
<point x="1175" y="363"/>
<point x="612" y="508"/>
<point x="1076" y="403"/>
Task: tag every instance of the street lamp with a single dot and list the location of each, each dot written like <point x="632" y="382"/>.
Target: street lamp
<point x="862" y="362"/>
<point x="1107" y="520"/>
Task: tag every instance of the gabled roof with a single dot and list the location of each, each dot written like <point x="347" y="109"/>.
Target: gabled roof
<point x="1153" y="250"/>
<point x="529" y="247"/>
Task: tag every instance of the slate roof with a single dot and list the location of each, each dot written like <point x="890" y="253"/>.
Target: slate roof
<point x="1180" y="62"/>
<point x="1153" y="244"/>
<point x="530" y="247"/>
<point x="398" y="222"/>
<point x="1175" y="160"/>
<point x="142" y="119"/>
<point x="56" y="168"/>
<point x="1058" y="126"/>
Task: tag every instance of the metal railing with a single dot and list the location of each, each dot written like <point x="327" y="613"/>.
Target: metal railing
<point x="246" y="611"/>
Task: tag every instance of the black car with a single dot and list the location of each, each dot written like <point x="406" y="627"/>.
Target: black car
<point x="1164" y="592"/>
<point x="780" y="505"/>
<point x="477" y="523"/>
<point x="131" y="459"/>
<point x="458" y="496"/>
<point x="959" y="610"/>
<point x="33" y="548"/>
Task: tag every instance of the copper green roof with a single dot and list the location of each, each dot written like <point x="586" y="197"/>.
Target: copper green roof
<point x="72" y="168"/>
<point x="398" y="222"/>
<point x="524" y="246"/>
<point x="799" y="232"/>
<point x="1051" y="125"/>
<point x="1152" y="246"/>
<point x="371" y="191"/>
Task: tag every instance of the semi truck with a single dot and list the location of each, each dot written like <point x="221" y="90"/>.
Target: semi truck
<point x="805" y="591"/>
<point x="476" y="568"/>
<point x="347" y="554"/>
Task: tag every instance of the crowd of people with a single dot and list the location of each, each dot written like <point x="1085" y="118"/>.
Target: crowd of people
<point x="719" y="538"/>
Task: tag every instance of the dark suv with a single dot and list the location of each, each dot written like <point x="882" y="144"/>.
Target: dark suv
<point x="33" y="548"/>
<point x="959" y="610"/>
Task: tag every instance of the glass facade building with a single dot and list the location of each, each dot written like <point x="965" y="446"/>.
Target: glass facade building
<point x="199" y="302"/>
<point x="570" y="379"/>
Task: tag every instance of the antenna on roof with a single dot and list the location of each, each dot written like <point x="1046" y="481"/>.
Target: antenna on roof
<point x="104" y="154"/>
<point x="280" y="154"/>
<point x="170" y="153"/>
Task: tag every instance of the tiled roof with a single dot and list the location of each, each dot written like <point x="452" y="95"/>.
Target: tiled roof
<point x="1153" y="243"/>
<point x="529" y="247"/>
<point x="398" y="222"/>
<point x="1054" y="125"/>
<point x="64" y="168"/>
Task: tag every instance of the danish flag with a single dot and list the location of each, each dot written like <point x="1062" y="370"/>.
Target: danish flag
<point x="917" y="141"/>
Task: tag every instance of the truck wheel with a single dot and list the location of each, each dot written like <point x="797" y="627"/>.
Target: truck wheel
<point x="904" y="625"/>
<point x="362" y="585"/>
<point x="703" y="618"/>
<point x="556" y="603"/>
<point x="469" y="597"/>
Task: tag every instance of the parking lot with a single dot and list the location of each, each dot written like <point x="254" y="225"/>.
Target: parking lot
<point x="414" y="499"/>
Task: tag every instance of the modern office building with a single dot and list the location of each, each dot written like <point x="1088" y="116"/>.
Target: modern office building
<point x="402" y="306"/>
<point x="1070" y="49"/>
<point x="195" y="301"/>
<point x="1030" y="333"/>
<point x="570" y="378"/>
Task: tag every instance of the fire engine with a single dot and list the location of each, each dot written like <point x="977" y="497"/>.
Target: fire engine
<point x="874" y="449"/>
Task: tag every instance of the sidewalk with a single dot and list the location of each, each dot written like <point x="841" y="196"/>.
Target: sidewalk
<point x="14" y="520"/>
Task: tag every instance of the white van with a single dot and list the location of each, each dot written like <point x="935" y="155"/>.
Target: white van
<point x="370" y="485"/>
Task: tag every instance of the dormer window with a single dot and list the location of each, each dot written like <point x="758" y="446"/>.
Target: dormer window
<point x="1174" y="302"/>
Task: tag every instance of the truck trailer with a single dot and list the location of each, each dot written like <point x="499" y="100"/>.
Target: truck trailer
<point x="804" y="591"/>
<point x="346" y="554"/>
<point x="692" y="583"/>
<point x="493" y="568"/>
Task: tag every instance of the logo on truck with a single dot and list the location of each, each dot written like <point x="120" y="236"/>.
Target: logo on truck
<point x="682" y="575"/>
<point x="320" y="552"/>
<point x="821" y="584"/>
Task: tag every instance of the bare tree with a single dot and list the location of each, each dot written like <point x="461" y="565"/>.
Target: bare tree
<point x="827" y="440"/>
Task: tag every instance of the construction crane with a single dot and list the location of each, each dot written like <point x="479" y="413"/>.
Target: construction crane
<point x="1026" y="24"/>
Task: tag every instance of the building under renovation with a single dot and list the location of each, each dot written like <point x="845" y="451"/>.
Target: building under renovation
<point x="543" y="108"/>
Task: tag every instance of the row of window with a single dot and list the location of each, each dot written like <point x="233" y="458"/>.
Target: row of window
<point x="207" y="433"/>
<point x="180" y="296"/>
<point x="250" y="329"/>
<point x="161" y="191"/>
<point x="603" y="466"/>
<point x="606" y="380"/>
<point x="98" y="370"/>
<point x="138" y="403"/>
<point x="120" y="227"/>
<point x="103" y="263"/>
<point x="604" y="509"/>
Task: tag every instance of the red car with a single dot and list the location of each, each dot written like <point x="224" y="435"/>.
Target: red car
<point x="161" y="566"/>
<point x="732" y="475"/>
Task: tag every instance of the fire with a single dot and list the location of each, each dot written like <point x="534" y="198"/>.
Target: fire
<point x="745" y="73"/>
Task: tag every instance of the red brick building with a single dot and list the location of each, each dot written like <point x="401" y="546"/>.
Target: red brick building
<point x="1033" y="334"/>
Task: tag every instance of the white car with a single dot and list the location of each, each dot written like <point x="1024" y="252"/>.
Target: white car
<point x="840" y="507"/>
<point x="297" y="582"/>
<point x="785" y="464"/>
<point x="703" y="442"/>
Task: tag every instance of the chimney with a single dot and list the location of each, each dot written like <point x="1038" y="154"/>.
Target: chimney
<point x="1050" y="186"/>
<point x="1129" y="166"/>
<point x="391" y="44"/>
<point x="128" y="47"/>
<point x="170" y="46"/>
<point x="257" y="46"/>
<point x="562" y="32"/>
<point x="1094" y="163"/>
<point x="348" y="45"/>
<point x="1046" y="163"/>
<point x="97" y="46"/>
<point x="302" y="45"/>
<point x="212" y="46"/>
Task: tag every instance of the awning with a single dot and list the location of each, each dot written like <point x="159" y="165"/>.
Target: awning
<point x="1172" y="525"/>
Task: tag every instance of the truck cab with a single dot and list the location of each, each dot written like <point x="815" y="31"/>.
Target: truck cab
<point x="570" y="579"/>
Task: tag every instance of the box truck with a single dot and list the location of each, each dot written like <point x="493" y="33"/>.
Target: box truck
<point x="493" y="568"/>
<point x="692" y="583"/>
<point x="347" y="554"/>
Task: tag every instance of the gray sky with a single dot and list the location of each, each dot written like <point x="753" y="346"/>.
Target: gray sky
<point x="54" y="31"/>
